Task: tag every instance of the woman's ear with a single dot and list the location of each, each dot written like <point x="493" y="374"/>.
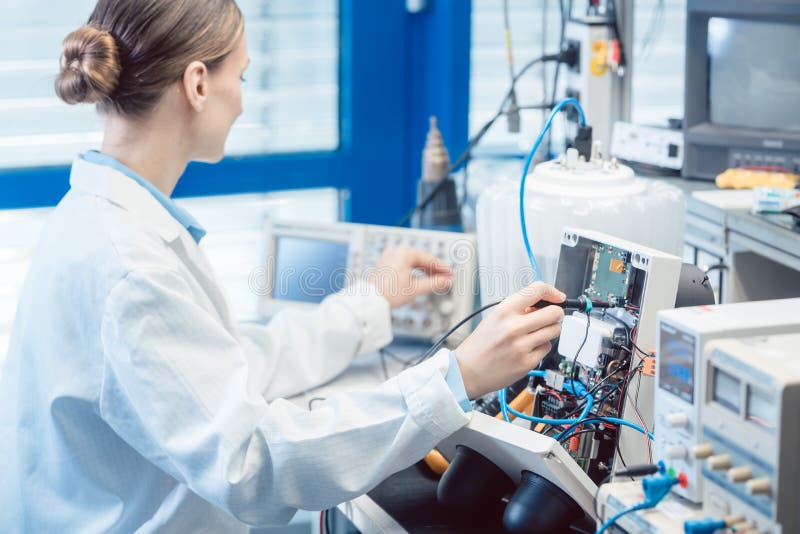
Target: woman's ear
<point x="195" y="85"/>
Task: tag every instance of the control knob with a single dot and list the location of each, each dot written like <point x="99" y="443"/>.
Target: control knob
<point x="702" y="451"/>
<point x="678" y="420"/>
<point x="740" y="474"/>
<point x="719" y="462"/>
<point x="758" y="486"/>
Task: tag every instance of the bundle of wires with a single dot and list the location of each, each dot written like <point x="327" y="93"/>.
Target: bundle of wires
<point x="577" y="388"/>
<point x="584" y="418"/>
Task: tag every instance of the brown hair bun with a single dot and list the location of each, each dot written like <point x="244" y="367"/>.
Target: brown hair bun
<point x="90" y="66"/>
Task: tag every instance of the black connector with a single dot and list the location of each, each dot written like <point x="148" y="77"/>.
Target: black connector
<point x="571" y="54"/>
<point x="639" y="470"/>
<point x="583" y="142"/>
<point x="581" y="304"/>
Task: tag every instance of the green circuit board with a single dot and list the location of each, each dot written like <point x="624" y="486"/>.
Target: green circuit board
<point x="611" y="275"/>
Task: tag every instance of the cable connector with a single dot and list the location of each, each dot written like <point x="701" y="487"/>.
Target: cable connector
<point x="512" y="115"/>
<point x="639" y="470"/>
<point x="570" y="55"/>
<point x="703" y="526"/>
<point x="583" y="142"/>
<point x="656" y="487"/>
<point x="581" y="304"/>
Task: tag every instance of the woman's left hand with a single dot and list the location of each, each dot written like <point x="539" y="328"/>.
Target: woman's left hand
<point x="404" y="273"/>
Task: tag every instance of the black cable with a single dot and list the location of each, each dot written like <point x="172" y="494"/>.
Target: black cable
<point x="406" y="363"/>
<point x="588" y="431"/>
<point x="599" y="402"/>
<point x="619" y="451"/>
<point x="464" y="157"/>
<point x="585" y="420"/>
<point x="384" y="353"/>
<point x="465" y="192"/>
<point x="627" y="333"/>
<point x="545" y="28"/>
<point x="431" y="351"/>
<point x="591" y="392"/>
<point x="561" y="43"/>
<point x="600" y="384"/>
<point x="464" y="182"/>
<point x="548" y="105"/>
<point x="596" y="417"/>
<point x="717" y="267"/>
<point x="644" y="354"/>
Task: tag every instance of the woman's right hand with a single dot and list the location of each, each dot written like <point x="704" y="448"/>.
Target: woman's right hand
<point x="511" y="341"/>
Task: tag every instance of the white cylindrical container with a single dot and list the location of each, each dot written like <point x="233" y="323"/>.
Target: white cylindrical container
<point x="597" y="195"/>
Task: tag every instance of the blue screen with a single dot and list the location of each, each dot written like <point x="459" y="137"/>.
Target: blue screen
<point x="308" y="270"/>
<point x="676" y="363"/>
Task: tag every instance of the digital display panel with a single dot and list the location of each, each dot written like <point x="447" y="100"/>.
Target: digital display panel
<point x="754" y="74"/>
<point x="676" y="363"/>
<point x="308" y="270"/>
<point x="726" y="390"/>
<point x="762" y="408"/>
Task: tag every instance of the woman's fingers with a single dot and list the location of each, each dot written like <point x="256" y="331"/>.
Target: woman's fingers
<point x="427" y="263"/>
<point x="540" y="337"/>
<point x="538" y="319"/>
<point x="530" y="295"/>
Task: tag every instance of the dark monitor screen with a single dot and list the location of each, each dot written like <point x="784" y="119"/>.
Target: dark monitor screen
<point x="676" y="363"/>
<point x="308" y="270"/>
<point x="754" y="74"/>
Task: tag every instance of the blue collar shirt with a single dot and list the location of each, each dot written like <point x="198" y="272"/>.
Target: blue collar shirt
<point x="181" y="215"/>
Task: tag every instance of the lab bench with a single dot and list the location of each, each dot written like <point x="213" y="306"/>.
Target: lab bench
<point x="753" y="257"/>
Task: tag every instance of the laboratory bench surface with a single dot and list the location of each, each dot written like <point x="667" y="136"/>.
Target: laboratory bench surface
<point x="757" y="255"/>
<point x="766" y="227"/>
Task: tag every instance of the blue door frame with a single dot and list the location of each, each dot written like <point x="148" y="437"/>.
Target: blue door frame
<point x="396" y="69"/>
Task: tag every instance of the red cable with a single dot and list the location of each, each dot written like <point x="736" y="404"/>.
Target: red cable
<point x="322" y="522"/>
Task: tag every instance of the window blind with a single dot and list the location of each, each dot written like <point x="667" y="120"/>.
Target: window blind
<point x="290" y="97"/>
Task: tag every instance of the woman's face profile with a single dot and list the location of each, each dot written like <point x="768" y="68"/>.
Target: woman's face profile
<point x="224" y="104"/>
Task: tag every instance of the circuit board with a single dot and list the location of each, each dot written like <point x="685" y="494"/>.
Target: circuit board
<point x="611" y="275"/>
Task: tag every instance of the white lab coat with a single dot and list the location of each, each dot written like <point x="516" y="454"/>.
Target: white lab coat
<point x="130" y="400"/>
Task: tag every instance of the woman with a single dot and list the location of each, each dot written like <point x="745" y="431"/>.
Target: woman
<point x="130" y="399"/>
